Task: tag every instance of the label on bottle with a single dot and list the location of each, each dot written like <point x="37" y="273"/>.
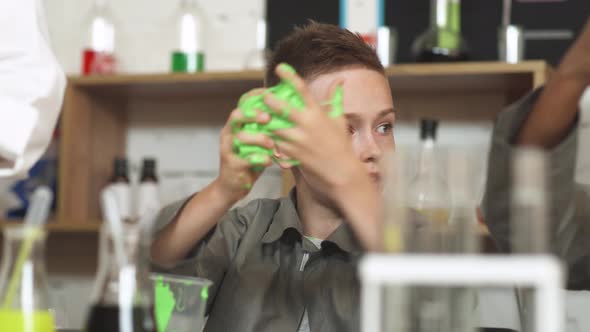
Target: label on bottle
<point x="122" y="194"/>
<point x="94" y="62"/>
<point x="148" y="198"/>
<point x="188" y="62"/>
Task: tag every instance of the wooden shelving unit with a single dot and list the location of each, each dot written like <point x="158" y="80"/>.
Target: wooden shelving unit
<point x="94" y="120"/>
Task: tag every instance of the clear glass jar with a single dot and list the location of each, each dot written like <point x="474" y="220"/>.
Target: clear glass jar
<point x="24" y="291"/>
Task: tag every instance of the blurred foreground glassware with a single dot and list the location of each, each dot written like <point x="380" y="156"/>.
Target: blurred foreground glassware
<point x="24" y="292"/>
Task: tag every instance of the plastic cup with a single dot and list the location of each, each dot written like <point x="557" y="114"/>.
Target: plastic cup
<point x="179" y="302"/>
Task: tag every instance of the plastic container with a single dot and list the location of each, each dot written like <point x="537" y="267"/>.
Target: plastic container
<point x="179" y="302"/>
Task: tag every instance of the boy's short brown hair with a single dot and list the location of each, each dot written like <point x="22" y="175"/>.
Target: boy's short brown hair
<point x="318" y="48"/>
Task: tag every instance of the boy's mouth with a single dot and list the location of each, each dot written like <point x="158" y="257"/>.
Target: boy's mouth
<point x="375" y="176"/>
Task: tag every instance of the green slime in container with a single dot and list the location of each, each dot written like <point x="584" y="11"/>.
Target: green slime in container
<point x="165" y="303"/>
<point x="285" y="91"/>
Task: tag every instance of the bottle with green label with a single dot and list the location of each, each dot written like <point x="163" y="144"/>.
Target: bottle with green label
<point x="442" y="42"/>
<point x="188" y="56"/>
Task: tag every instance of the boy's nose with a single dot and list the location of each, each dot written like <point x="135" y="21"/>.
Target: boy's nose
<point x="370" y="150"/>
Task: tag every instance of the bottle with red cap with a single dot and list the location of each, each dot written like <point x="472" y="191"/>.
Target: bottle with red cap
<point x="98" y="56"/>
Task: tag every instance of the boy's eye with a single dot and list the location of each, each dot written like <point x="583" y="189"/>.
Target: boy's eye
<point x="384" y="128"/>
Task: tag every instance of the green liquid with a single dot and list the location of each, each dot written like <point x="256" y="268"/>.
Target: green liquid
<point x="449" y="35"/>
<point x="17" y="321"/>
<point x="188" y="62"/>
<point x="165" y="303"/>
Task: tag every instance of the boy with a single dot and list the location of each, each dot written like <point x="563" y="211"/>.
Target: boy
<point x="290" y="264"/>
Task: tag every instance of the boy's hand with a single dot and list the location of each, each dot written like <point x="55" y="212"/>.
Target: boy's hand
<point x="237" y="175"/>
<point x="319" y="142"/>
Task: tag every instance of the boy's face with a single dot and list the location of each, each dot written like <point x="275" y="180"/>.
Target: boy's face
<point x="368" y="110"/>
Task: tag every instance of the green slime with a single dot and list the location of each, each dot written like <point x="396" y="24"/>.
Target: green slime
<point x="285" y="90"/>
<point x="165" y="303"/>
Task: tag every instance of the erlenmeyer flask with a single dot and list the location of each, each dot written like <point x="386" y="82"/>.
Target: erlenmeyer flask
<point x="121" y="299"/>
<point x="24" y="295"/>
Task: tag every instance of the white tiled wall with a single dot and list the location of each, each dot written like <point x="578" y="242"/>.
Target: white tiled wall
<point x="185" y="141"/>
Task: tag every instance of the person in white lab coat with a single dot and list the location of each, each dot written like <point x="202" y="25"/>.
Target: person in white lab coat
<point x="31" y="86"/>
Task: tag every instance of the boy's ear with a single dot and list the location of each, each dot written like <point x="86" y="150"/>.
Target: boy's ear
<point x="281" y="159"/>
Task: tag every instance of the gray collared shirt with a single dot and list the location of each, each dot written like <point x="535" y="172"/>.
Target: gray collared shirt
<point x="569" y="204"/>
<point x="265" y="273"/>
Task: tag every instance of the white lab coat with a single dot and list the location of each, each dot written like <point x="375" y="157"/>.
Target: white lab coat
<point x="31" y="86"/>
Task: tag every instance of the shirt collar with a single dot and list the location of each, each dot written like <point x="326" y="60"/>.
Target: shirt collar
<point x="286" y="217"/>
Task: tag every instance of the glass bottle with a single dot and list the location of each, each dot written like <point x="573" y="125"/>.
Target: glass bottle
<point x="428" y="195"/>
<point x="189" y="54"/>
<point x="120" y="185"/>
<point x="442" y="42"/>
<point x="148" y="194"/>
<point x="121" y="300"/>
<point x="257" y="58"/>
<point x="98" y="56"/>
<point x="24" y="291"/>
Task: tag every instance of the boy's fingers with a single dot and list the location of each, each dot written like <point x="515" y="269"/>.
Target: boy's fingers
<point x="336" y="98"/>
<point x="258" y="162"/>
<point x="281" y="107"/>
<point x="289" y="135"/>
<point x="287" y="149"/>
<point x="298" y="83"/>
<point x="253" y="92"/>
<point x="257" y="139"/>
<point x="237" y="118"/>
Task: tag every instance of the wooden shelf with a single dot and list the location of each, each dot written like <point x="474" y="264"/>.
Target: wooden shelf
<point x="467" y="76"/>
<point x="54" y="226"/>
<point x="170" y="85"/>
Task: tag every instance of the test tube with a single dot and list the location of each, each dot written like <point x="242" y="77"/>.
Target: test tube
<point x="464" y="238"/>
<point x="528" y="218"/>
<point x="396" y="301"/>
